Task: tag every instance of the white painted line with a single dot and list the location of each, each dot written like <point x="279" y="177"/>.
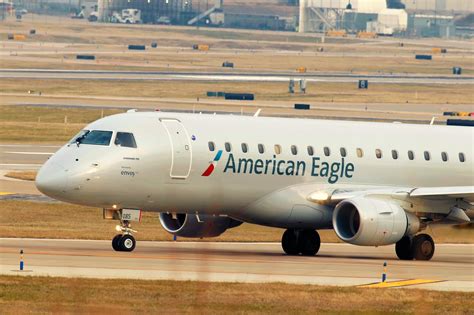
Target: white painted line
<point x="33" y="165"/>
<point x="32" y="153"/>
<point x="30" y="145"/>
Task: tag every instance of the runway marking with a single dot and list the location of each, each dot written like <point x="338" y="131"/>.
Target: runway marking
<point x="32" y="153"/>
<point x="396" y="284"/>
<point x="29" y="145"/>
<point x="9" y="164"/>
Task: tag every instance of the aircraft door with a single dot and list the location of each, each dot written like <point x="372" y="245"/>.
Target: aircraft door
<point x="181" y="155"/>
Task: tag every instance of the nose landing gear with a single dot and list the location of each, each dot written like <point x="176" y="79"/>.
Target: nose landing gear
<point x="124" y="242"/>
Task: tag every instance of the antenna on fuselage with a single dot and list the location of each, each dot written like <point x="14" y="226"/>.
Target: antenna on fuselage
<point x="257" y="113"/>
<point x="433" y="120"/>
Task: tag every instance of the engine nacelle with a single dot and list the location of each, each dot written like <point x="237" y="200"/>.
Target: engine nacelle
<point x="197" y="226"/>
<point x="372" y="222"/>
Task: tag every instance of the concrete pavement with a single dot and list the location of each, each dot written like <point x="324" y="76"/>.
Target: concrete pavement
<point x="452" y="267"/>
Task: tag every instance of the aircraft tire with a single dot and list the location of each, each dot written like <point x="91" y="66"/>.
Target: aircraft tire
<point x="404" y="249"/>
<point x="289" y="242"/>
<point x="116" y="242"/>
<point x="309" y="242"/>
<point x="127" y="243"/>
<point x="423" y="247"/>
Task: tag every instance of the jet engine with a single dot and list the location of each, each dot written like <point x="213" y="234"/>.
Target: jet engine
<point x="197" y="226"/>
<point x="372" y="222"/>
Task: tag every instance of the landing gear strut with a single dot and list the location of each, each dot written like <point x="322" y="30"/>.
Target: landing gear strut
<point x="420" y="247"/>
<point x="304" y="242"/>
<point x="124" y="242"/>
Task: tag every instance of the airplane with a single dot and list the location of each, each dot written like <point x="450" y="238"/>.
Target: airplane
<point x="373" y="183"/>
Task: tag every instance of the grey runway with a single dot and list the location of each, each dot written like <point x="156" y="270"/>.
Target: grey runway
<point x="340" y="77"/>
<point x="24" y="156"/>
<point x="452" y="267"/>
<point x="18" y="157"/>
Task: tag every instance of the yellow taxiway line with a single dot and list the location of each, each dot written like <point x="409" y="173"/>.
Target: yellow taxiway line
<point x="395" y="284"/>
<point x="4" y="193"/>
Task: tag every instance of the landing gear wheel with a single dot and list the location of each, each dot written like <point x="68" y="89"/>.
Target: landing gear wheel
<point x="127" y="243"/>
<point x="309" y="242"/>
<point x="289" y="242"/>
<point x="423" y="247"/>
<point x="403" y="248"/>
<point x="116" y="242"/>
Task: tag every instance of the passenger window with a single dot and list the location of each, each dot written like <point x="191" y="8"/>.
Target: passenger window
<point x="394" y="154"/>
<point x="245" y="148"/>
<point x="228" y="147"/>
<point x="462" y="158"/>
<point x="378" y="153"/>
<point x="343" y="152"/>
<point x="212" y="146"/>
<point x="125" y="139"/>
<point x="327" y="152"/>
<point x="444" y="156"/>
<point x="427" y="155"/>
<point x="261" y="149"/>
<point x="96" y="137"/>
<point x="411" y="155"/>
<point x="294" y="150"/>
<point x="310" y="151"/>
<point x="360" y="153"/>
<point x="277" y="149"/>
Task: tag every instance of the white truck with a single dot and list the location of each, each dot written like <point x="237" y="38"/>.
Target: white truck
<point x="128" y="16"/>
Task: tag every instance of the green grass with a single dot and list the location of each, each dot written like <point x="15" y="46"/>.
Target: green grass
<point x="45" y="295"/>
<point x="60" y="220"/>
<point x="45" y="124"/>
<point x="52" y="114"/>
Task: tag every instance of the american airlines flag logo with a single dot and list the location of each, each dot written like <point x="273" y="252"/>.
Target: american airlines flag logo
<point x="212" y="164"/>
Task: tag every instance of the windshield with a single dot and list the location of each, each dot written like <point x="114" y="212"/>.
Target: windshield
<point x="79" y="135"/>
<point x="95" y="137"/>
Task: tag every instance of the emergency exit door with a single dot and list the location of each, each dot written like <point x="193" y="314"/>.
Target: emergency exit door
<point x="181" y="155"/>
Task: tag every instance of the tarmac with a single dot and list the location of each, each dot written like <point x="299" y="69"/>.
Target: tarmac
<point x="235" y="76"/>
<point x="451" y="269"/>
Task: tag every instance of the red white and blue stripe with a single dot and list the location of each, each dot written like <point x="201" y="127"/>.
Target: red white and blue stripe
<point x="212" y="165"/>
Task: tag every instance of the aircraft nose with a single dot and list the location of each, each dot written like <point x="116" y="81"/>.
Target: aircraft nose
<point x="51" y="179"/>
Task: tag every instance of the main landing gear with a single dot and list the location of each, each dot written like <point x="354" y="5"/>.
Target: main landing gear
<point x="304" y="242"/>
<point x="419" y="247"/>
<point x="124" y="242"/>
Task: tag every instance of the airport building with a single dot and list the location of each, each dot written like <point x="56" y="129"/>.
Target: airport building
<point x="170" y="11"/>
<point x="439" y="6"/>
<point x="422" y="18"/>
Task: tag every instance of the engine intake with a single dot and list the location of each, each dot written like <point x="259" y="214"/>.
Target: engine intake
<point x="196" y="226"/>
<point x="372" y="222"/>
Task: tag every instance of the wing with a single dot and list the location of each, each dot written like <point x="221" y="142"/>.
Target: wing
<point x="455" y="203"/>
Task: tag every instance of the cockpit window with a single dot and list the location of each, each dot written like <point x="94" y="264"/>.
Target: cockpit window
<point x="125" y="139"/>
<point x="79" y="136"/>
<point x="95" y="137"/>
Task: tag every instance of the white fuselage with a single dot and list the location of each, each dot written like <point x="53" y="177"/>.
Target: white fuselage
<point x="167" y="170"/>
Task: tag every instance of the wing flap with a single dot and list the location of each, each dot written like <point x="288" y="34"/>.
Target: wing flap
<point x="464" y="192"/>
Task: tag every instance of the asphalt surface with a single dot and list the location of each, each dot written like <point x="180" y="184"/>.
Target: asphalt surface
<point x="18" y="157"/>
<point x="24" y="156"/>
<point x="234" y="76"/>
<point x="452" y="267"/>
